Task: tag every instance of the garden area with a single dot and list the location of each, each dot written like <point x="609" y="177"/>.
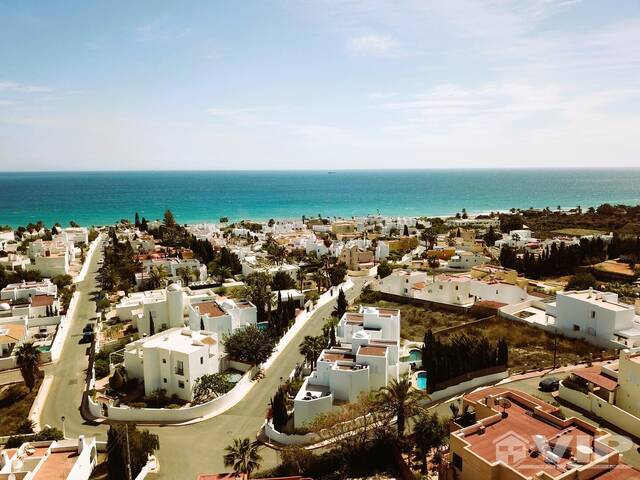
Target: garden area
<point x="15" y="403"/>
<point x="531" y="348"/>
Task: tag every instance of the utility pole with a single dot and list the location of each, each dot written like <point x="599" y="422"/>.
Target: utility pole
<point x="126" y="429"/>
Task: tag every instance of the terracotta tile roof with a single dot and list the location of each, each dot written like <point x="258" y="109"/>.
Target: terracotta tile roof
<point x="57" y="465"/>
<point x="622" y="471"/>
<point x="11" y="333"/>
<point x="210" y="309"/>
<point x="42" y="300"/>
<point x="595" y="376"/>
<point x="373" y="351"/>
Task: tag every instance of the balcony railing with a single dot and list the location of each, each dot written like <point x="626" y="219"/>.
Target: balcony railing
<point x="178" y="371"/>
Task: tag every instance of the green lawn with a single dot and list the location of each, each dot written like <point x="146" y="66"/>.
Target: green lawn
<point x="15" y="403"/>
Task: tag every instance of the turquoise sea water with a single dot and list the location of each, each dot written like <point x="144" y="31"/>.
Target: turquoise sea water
<point x="197" y="196"/>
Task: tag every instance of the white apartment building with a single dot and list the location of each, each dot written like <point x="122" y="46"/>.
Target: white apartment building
<point x="449" y="289"/>
<point x="204" y="231"/>
<point x="252" y="263"/>
<point x="172" y="360"/>
<point x="466" y="260"/>
<point x="402" y="283"/>
<point x="78" y="235"/>
<point x="366" y="358"/>
<point x="221" y="316"/>
<point x="516" y="239"/>
<point x="166" y="308"/>
<point x="596" y="316"/>
<point x="172" y="266"/>
<point x="15" y="261"/>
<point x="15" y="291"/>
<point x="47" y="460"/>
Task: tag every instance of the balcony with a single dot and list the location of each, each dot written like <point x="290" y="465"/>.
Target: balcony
<point x="179" y="371"/>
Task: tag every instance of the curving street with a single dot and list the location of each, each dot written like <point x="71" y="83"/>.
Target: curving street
<point x="185" y="450"/>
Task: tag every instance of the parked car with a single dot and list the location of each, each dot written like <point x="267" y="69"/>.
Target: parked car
<point x="549" y="384"/>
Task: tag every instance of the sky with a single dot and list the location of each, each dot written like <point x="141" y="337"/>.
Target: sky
<point x="314" y="84"/>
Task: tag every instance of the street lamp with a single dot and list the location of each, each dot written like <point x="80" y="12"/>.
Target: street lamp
<point x="63" y="430"/>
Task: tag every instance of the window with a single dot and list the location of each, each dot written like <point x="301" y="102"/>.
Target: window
<point x="164" y="380"/>
<point x="576" y="328"/>
<point x="593" y="314"/>
<point x="201" y="360"/>
<point x="179" y="367"/>
<point x="164" y="360"/>
<point x="440" y="286"/>
<point x="457" y="287"/>
<point x="457" y="461"/>
<point x="180" y="384"/>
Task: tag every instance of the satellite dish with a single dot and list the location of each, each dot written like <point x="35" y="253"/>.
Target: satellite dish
<point x="505" y="404"/>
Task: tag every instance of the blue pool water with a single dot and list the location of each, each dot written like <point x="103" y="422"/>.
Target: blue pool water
<point x="421" y="380"/>
<point x="415" y="355"/>
<point x="44" y="348"/>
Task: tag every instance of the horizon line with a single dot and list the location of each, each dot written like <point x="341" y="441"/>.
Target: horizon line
<point x="328" y="169"/>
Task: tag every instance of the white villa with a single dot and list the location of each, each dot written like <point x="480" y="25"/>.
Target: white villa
<point x="221" y="316"/>
<point x="172" y="266"/>
<point x="483" y="284"/>
<point x="597" y="317"/>
<point x="516" y="239"/>
<point x="465" y="260"/>
<point x="366" y="358"/>
<point x="54" y="459"/>
<point x="15" y="291"/>
<point x="172" y="360"/>
<point x="253" y="263"/>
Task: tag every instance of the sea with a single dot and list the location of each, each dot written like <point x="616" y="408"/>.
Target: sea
<point x="100" y="198"/>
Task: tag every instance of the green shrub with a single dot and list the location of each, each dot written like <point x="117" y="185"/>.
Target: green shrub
<point x="101" y="367"/>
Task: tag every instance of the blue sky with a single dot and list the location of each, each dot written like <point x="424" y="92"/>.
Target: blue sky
<point x="319" y="84"/>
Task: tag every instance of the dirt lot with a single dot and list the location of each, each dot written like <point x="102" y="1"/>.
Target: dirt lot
<point x="415" y="321"/>
<point x="530" y="347"/>
<point x="15" y="403"/>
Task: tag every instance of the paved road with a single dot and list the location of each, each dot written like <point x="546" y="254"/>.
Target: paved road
<point x="188" y="450"/>
<point x="68" y="373"/>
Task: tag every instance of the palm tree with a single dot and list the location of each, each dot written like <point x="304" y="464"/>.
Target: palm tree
<point x="186" y="274"/>
<point x="225" y="272"/>
<point x="158" y="277"/>
<point x="311" y="348"/>
<point x="430" y="432"/>
<point x="242" y="455"/>
<point x="109" y="278"/>
<point x="401" y="400"/>
<point x="28" y="359"/>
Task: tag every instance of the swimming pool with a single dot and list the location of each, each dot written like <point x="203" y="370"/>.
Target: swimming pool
<point x="421" y="380"/>
<point x="415" y="355"/>
<point x="44" y="348"/>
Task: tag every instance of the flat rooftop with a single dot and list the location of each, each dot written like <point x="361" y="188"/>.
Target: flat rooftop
<point x="209" y="308"/>
<point x="597" y="298"/>
<point x="372" y="351"/>
<point x="511" y="439"/>
<point x="338" y="356"/>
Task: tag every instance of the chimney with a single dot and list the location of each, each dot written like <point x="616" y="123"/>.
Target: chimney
<point x="590" y="292"/>
<point x="80" y="444"/>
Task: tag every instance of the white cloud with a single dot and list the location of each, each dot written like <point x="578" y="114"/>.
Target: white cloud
<point x="373" y="44"/>
<point x="16" y="87"/>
